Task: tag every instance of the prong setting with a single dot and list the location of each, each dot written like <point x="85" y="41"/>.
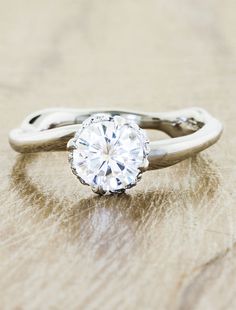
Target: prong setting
<point x="109" y="153"/>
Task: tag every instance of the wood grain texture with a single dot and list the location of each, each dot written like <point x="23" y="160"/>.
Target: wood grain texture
<point x="170" y="242"/>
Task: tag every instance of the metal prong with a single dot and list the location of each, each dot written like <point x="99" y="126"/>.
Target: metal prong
<point x="98" y="190"/>
<point x="144" y="166"/>
<point x="82" y="181"/>
<point x="71" y="145"/>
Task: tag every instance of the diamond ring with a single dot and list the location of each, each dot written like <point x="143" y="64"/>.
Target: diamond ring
<point x="110" y="150"/>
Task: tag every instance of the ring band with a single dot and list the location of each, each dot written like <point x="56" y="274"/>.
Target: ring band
<point x="109" y="150"/>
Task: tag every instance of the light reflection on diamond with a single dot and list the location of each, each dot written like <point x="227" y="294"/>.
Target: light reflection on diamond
<point x="108" y="153"/>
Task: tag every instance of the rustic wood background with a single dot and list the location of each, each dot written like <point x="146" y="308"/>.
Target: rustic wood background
<point x="170" y="242"/>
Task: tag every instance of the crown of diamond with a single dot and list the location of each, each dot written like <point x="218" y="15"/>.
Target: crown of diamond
<point x="109" y="153"/>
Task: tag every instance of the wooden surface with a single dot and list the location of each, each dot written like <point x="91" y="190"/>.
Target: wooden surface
<point x="170" y="242"/>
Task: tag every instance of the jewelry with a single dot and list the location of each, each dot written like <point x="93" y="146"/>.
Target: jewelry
<point x="110" y="150"/>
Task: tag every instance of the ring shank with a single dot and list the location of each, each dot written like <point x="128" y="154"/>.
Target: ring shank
<point x="192" y="130"/>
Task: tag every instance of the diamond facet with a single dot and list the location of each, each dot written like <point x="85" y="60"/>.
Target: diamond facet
<point x="108" y="153"/>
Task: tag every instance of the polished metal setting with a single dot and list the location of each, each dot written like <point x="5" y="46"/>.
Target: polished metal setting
<point x="192" y="130"/>
<point x="109" y="153"/>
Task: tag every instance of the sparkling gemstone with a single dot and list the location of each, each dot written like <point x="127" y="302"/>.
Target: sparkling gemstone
<point x="109" y="153"/>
